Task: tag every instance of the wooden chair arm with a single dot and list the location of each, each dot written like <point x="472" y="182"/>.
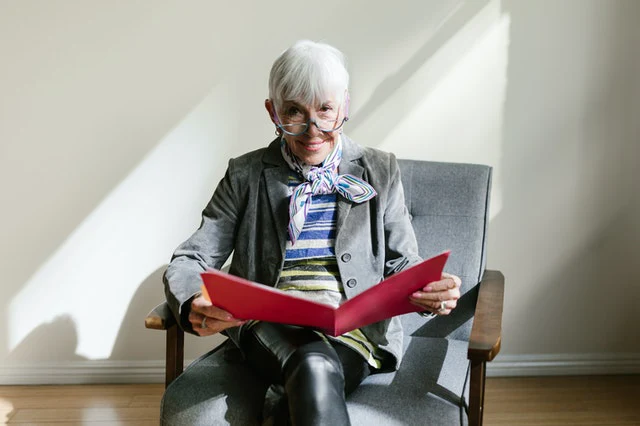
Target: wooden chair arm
<point x="484" y="343"/>
<point x="160" y="318"/>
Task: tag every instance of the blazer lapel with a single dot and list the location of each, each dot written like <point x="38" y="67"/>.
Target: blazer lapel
<point x="351" y="152"/>
<point x="276" y="176"/>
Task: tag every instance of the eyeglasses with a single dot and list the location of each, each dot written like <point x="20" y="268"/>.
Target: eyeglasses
<point x="294" y="124"/>
<point x="326" y="126"/>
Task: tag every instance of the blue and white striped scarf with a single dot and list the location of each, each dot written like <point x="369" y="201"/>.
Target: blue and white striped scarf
<point x="323" y="179"/>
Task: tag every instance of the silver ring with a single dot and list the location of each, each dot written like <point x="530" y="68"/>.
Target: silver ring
<point x="203" y="324"/>
<point x="443" y="306"/>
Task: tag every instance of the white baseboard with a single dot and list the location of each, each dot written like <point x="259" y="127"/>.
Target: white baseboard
<point x="105" y="371"/>
<point x="83" y="372"/>
<point x="564" y="365"/>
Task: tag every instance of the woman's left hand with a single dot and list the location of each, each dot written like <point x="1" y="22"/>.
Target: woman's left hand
<point x="439" y="297"/>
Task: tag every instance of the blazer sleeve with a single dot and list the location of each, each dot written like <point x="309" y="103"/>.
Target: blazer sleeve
<point x="209" y="247"/>
<point x="401" y="249"/>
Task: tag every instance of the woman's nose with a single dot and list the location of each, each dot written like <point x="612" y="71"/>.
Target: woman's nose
<point x="313" y="129"/>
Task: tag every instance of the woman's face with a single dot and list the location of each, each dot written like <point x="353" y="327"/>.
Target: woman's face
<point x="313" y="146"/>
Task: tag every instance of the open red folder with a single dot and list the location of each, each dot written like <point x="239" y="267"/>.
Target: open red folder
<point x="248" y="300"/>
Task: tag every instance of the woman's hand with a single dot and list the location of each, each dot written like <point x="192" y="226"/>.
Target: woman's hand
<point x="207" y="319"/>
<point x="439" y="297"/>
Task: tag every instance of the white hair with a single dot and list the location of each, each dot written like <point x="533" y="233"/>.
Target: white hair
<point x="309" y="73"/>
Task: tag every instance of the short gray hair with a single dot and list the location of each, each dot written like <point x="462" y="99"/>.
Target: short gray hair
<point x="308" y="72"/>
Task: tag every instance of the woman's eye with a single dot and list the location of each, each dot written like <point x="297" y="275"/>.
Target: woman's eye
<point x="293" y="111"/>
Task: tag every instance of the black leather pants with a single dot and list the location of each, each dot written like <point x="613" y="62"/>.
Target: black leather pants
<point x="315" y="375"/>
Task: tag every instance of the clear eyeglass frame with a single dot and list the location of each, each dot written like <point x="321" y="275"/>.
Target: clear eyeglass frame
<point x="297" y="129"/>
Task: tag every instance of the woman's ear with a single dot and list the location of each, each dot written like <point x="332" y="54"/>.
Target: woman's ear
<point x="271" y="109"/>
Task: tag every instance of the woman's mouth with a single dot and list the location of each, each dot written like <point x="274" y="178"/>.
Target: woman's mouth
<point x="312" y="145"/>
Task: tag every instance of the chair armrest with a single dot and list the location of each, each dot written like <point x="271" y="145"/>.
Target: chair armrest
<point x="160" y="318"/>
<point x="484" y="343"/>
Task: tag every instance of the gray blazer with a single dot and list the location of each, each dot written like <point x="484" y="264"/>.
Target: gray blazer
<point x="248" y="215"/>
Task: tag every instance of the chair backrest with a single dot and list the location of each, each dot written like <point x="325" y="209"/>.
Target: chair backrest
<point x="449" y="206"/>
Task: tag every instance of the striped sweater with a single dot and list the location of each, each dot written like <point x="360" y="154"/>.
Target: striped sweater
<point x="311" y="268"/>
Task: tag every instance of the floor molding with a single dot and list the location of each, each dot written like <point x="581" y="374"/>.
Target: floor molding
<point x="83" y="372"/>
<point x="106" y="371"/>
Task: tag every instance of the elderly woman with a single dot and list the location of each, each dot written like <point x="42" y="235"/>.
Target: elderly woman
<point x="315" y="214"/>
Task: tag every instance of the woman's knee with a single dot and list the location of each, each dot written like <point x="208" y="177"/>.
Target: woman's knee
<point x="314" y="383"/>
<point x="315" y="359"/>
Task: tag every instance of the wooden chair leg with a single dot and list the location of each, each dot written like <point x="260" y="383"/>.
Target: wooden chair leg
<point x="476" y="392"/>
<point x="175" y="354"/>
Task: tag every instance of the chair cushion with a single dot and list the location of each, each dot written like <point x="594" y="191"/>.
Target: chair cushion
<point x="220" y="389"/>
<point x="216" y="389"/>
<point x="426" y="390"/>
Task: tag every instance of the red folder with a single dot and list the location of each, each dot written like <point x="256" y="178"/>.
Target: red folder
<point x="252" y="301"/>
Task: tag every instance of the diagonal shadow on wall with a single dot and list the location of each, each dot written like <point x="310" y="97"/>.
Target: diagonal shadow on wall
<point x="461" y="14"/>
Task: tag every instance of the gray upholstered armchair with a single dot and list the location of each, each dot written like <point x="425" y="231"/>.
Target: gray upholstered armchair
<point x="442" y="377"/>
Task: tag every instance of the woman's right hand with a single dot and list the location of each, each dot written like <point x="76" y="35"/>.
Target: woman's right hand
<point x="207" y="319"/>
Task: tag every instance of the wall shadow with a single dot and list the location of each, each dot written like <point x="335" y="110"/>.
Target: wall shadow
<point x="132" y="332"/>
<point x="59" y="340"/>
<point x="572" y="299"/>
<point x="461" y="14"/>
<point x="58" y="336"/>
<point x="565" y="228"/>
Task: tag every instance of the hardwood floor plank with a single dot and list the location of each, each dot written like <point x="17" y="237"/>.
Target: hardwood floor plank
<point x="146" y="401"/>
<point x="84" y="415"/>
<point x="82" y="404"/>
<point x="100" y="423"/>
<point x="79" y="390"/>
<point x="566" y="401"/>
<point x="69" y="401"/>
<point x="528" y="401"/>
<point x="5" y="415"/>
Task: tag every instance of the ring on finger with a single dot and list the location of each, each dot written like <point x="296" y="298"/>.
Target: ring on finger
<point x="443" y="306"/>
<point x="203" y="324"/>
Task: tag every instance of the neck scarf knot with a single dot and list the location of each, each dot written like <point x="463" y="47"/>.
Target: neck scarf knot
<point x="323" y="179"/>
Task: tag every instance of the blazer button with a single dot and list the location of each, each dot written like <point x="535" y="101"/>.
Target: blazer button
<point x="351" y="283"/>
<point x="346" y="257"/>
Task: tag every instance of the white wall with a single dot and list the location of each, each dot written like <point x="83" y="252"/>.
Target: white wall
<point x="571" y="150"/>
<point x="116" y="122"/>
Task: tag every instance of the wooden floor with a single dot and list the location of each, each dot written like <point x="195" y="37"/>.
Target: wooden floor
<point x="566" y="401"/>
